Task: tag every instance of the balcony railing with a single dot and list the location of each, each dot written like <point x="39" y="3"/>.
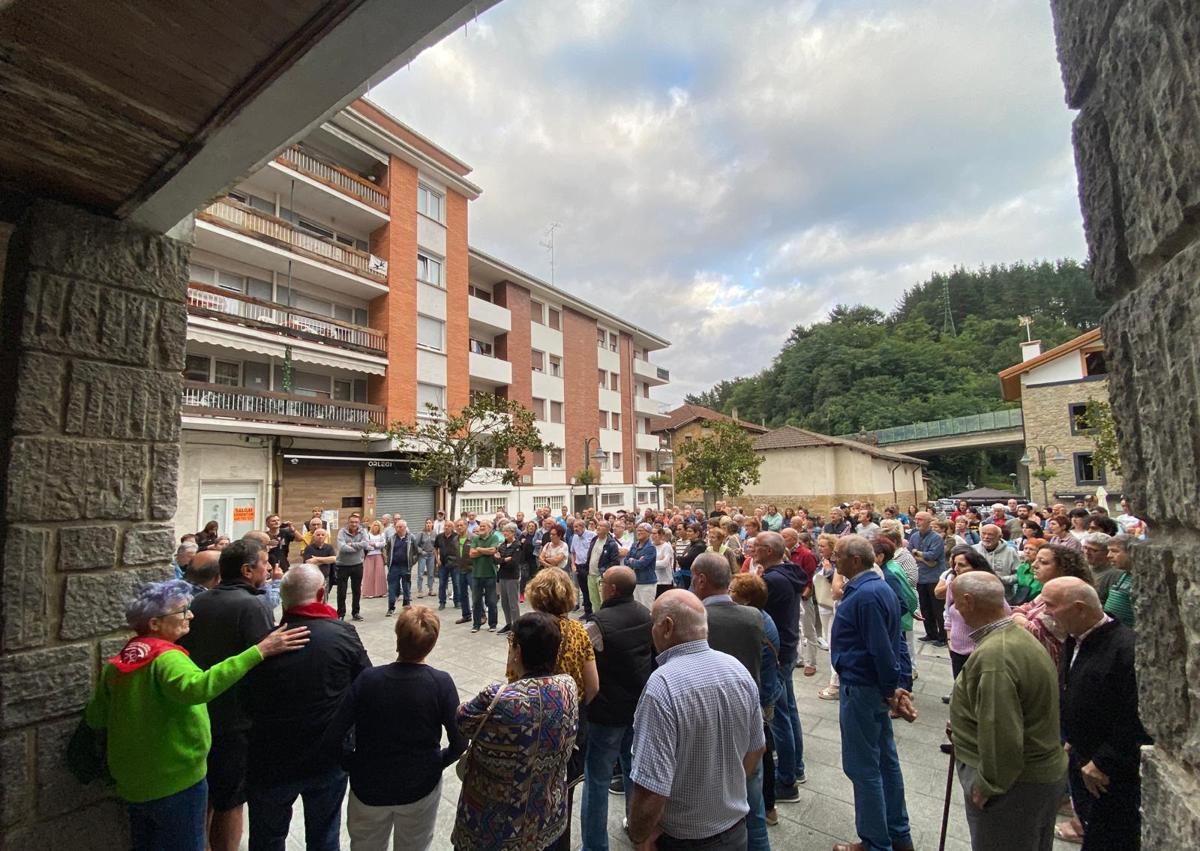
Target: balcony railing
<point x="263" y="226"/>
<point x="266" y="406"/>
<point x="335" y="177"/>
<point x="206" y="300"/>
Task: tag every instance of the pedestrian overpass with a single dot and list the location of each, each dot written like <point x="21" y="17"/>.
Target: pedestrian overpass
<point x="991" y="430"/>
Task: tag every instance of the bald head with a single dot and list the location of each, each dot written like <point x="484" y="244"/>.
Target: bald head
<point x="618" y="581"/>
<point x="979" y="598"/>
<point x="1073" y="603"/>
<point x="258" y="536"/>
<point x="204" y="568"/>
<point x="679" y="617"/>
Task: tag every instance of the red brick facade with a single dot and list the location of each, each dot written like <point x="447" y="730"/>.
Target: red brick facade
<point x="516" y="347"/>
<point x="629" y="420"/>
<point x="458" y="331"/>
<point x="581" y="412"/>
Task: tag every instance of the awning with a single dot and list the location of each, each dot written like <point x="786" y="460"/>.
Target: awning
<point x="200" y="331"/>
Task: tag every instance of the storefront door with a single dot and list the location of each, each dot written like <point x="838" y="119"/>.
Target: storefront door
<point x="233" y="506"/>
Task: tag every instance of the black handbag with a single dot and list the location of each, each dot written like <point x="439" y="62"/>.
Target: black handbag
<point x="87" y="754"/>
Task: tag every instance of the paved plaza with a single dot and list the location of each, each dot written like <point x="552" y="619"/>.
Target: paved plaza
<point x="825" y="812"/>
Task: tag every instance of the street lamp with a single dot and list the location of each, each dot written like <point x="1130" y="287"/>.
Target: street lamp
<point x="661" y="467"/>
<point x="1057" y="458"/>
<point x="589" y="457"/>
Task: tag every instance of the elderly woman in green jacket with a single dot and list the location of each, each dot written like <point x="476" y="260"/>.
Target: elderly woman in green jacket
<point x="150" y="699"/>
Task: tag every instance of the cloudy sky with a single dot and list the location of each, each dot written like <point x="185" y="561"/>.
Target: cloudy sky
<point x="723" y="171"/>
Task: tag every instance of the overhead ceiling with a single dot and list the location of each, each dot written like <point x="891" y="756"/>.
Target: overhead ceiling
<point x="146" y="108"/>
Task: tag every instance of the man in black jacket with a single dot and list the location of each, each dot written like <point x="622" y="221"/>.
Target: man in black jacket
<point x="290" y="705"/>
<point x="620" y="632"/>
<point x="227" y="620"/>
<point x="1099" y="716"/>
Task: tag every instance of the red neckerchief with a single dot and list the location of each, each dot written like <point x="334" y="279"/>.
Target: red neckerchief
<point x="140" y="651"/>
<point x="312" y="610"/>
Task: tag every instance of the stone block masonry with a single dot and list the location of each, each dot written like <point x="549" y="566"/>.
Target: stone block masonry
<point x="1132" y="68"/>
<point x="89" y="433"/>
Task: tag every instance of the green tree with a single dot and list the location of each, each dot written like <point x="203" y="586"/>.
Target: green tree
<point x="470" y="445"/>
<point x="1098" y="420"/>
<point x="722" y="461"/>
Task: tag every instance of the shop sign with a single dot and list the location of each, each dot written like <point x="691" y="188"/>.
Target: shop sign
<point x="243" y="514"/>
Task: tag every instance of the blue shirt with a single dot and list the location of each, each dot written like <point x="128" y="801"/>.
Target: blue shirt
<point x="865" y="645"/>
<point x="579" y="545"/>
<point x="934" y="548"/>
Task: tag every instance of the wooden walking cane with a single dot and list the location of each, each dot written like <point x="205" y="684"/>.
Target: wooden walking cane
<point x="949" y="789"/>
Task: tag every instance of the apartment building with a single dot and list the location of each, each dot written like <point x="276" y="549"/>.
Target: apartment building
<point x="334" y="289"/>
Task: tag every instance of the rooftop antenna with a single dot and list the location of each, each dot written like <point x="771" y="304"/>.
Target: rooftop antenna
<point x="548" y="244"/>
<point x="947" y="315"/>
<point x="1027" y="322"/>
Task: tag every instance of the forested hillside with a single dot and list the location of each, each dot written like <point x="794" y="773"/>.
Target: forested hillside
<point x="862" y="369"/>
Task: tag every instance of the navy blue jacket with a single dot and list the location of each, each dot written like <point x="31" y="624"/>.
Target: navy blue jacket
<point x="865" y="646"/>
<point x="785" y="582"/>
<point x="610" y="556"/>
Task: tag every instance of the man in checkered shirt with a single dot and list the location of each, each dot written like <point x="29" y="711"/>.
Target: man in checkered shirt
<point x="697" y="735"/>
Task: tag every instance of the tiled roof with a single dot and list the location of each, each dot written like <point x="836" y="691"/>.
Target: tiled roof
<point x="790" y="437"/>
<point x="685" y="414"/>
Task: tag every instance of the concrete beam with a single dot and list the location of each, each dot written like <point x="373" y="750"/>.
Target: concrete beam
<point x="367" y="45"/>
<point x="973" y="440"/>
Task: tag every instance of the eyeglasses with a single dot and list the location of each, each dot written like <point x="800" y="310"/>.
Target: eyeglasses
<point x="182" y="611"/>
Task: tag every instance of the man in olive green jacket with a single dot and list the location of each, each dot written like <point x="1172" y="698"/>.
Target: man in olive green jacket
<point x="1005" y="721"/>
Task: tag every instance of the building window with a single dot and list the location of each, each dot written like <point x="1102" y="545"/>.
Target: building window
<point x="556" y="459"/>
<point x="1077" y="417"/>
<point x="616" y="421"/>
<point x="1087" y="472"/>
<point x="613" y="341"/>
<point x="538" y="459"/>
<point x="481" y="347"/>
<point x="541" y="502"/>
<point x="611" y="499"/>
<point x="196" y="368"/>
<point x="554" y="318"/>
<point x="430" y="400"/>
<point x="556" y="366"/>
<point x="616" y="460"/>
<point x="1095" y="364"/>
<point x="431" y="333"/>
<point x="537" y="312"/>
<point x="556" y="412"/>
<point x="479" y="293"/>
<point x="483" y="506"/>
<point x="538" y="361"/>
<point x="539" y="409"/>
<point x="476" y="396"/>
<point x="429" y="270"/>
<point x="429" y="202"/>
<point x="603" y="378"/>
<point x="614" y="381"/>
<point x="228" y="373"/>
<point x="601" y="338"/>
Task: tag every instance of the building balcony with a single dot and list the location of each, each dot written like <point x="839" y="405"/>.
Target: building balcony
<point x="264" y="406"/>
<point x="647" y="407"/>
<point x="490" y="318"/>
<point x="646" y="442"/>
<point x="335" y="177"/>
<point x="235" y="230"/>
<point x="650" y="373"/>
<point x="275" y="318"/>
<point x="489" y="370"/>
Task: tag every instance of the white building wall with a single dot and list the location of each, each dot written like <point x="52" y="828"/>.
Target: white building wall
<point x="212" y="458"/>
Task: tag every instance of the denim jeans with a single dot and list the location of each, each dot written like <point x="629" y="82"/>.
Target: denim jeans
<point x="271" y="811"/>
<point x="399" y="581"/>
<point x="756" y="819"/>
<point x="605" y="745"/>
<point x="444" y="579"/>
<point x="176" y="821"/>
<point x="425" y="571"/>
<point x="785" y="727"/>
<point x="483" y="590"/>
<point x="869" y="760"/>
<point x="462" y="590"/>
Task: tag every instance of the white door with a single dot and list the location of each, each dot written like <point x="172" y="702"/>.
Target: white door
<point x="235" y="507"/>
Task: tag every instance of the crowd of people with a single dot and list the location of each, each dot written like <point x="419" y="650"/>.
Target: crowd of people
<point x="645" y="650"/>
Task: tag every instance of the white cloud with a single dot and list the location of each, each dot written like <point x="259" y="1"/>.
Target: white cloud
<point x="723" y="172"/>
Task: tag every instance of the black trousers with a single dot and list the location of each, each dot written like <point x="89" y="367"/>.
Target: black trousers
<point x="352" y="573"/>
<point x="581" y="579"/>
<point x="1111" y="822"/>
<point x="932" y="610"/>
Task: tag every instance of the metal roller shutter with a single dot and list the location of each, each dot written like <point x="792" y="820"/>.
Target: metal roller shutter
<point x="395" y="493"/>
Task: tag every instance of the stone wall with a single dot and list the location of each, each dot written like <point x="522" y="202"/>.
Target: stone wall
<point x="93" y="332"/>
<point x="1045" y="410"/>
<point x="1132" y="68"/>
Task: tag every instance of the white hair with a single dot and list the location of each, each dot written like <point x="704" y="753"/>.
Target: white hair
<point x="300" y="585"/>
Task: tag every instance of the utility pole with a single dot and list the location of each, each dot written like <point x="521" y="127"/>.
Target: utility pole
<point x="947" y="314"/>
<point x="548" y="244"/>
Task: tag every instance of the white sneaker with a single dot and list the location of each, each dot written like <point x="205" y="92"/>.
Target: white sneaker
<point x="822" y="643"/>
